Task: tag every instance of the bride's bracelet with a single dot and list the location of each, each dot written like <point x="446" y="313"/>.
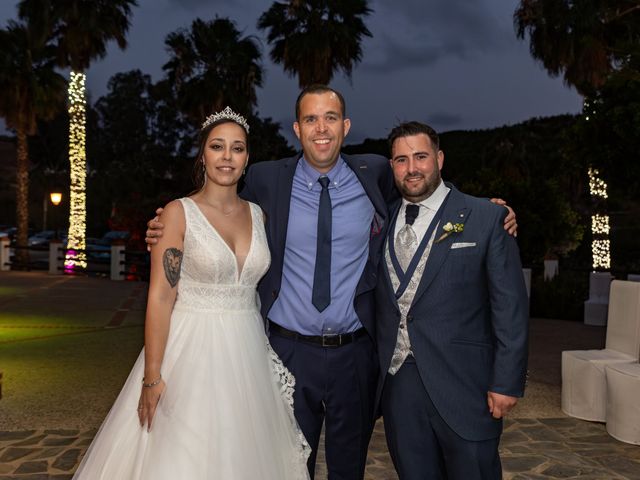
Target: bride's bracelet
<point x="152" y="384"/>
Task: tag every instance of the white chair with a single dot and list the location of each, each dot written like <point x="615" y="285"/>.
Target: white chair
<point x="623" y="402"/>
<point x="584" y="388"/>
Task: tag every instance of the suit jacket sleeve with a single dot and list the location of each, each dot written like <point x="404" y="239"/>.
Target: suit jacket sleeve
<point x="247" y="192"/>
<point x="509" y="311"/>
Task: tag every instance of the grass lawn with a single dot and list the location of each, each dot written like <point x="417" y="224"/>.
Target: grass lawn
<point x="44" y="321"/>
<point x="8" y="291"/>
<point x="65" y="381"/>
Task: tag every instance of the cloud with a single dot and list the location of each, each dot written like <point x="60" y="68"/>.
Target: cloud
<point x="411" y="34"/>
<point x="444" y="120"/>
<point x="221" y="5"/>
<point x="195" y="4"/>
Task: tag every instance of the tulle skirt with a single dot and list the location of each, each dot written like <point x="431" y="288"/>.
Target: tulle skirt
<point x="226" y="412"/>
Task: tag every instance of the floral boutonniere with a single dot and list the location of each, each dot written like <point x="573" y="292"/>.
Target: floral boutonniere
<point x="448" y="229"/>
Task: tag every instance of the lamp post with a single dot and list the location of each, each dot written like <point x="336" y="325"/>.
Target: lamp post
<point x="55" y="198"/>
<point x="55" y="246"/>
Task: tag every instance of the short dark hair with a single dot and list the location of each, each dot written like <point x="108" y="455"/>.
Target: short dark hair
<point x="319" y="88"/>
<point x="408" y="129"/>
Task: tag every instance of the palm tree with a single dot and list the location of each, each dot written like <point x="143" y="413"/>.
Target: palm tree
<point x="587" y="42"/>
<point x="81" y="30"/>
<point x="583" y="41"/>
<point x="315" y="38"/>
<point x="211" y="66"/>
<point x="30" y="89"/>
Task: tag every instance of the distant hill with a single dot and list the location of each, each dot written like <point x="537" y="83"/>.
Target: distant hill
<point x="467" y="151"/>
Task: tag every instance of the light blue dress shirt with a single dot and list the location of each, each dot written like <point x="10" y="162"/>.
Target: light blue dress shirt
<point x="352" y="215"/>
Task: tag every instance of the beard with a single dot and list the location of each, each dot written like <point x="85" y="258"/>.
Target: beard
<point x="419" y="192"/>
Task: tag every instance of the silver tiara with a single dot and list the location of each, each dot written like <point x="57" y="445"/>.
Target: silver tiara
<point x="226" y="114"/>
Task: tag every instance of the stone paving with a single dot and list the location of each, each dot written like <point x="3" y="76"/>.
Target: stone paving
<point x="552" y="448"/>
<point x="538" y="443"/>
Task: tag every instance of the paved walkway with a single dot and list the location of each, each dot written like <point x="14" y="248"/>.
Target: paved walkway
<point x="539" y="441"/>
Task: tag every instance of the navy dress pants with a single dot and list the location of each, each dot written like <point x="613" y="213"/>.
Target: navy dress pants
<point x="335" y="385"/>
<point x="421" y="444"/>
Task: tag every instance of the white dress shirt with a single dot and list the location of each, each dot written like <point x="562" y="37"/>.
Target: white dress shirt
<point x="428" y="208"/>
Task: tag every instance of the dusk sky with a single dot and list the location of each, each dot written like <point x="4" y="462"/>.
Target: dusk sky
<point x="455" y="64"/>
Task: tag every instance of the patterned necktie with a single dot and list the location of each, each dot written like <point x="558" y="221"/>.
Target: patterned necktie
<point x="406" y="240"/>
<point x="321" y="294"/>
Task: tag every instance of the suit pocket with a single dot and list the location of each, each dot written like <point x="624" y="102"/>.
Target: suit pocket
<point x="471" y="343"/>
<point x="456" y="252"/>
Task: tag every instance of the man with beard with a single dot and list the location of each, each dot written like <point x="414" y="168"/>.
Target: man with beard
<point x="452" y="317"/>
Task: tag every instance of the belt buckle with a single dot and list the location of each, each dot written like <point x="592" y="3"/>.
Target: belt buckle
<point x="331" y="336"/>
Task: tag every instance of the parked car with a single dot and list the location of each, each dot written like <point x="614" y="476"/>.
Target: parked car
<point x="12" y="232"/>
<point x="100" y="248"/>
<point x="116" y="235"/>
<point x="41" y="239"/>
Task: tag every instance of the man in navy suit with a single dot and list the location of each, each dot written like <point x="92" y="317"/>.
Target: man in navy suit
<point x="318" y="294"/>
<point x="452" y="315"/>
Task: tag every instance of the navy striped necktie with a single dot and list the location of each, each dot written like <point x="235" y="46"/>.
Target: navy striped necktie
<point x="321" y="295"/>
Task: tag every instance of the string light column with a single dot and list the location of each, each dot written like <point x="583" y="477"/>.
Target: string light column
<point x="76" y="257"/>
<point x="600" y="244"/>
<point x="596" y="307"/>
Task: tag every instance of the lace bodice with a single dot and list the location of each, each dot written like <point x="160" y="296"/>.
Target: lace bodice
<point x="210" y="278"/>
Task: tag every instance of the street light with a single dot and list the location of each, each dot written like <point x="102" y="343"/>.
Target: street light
<point x="56" y="198"/>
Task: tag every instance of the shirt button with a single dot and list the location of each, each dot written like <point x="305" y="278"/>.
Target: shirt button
<point x="274" y="294"/>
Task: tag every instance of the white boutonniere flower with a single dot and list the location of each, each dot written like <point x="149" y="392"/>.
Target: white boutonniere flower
<point x="448" y="229"/>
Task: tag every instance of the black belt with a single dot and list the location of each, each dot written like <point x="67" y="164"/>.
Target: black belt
<point x="334" y="340"/>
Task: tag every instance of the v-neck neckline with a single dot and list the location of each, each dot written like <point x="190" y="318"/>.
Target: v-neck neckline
<point x="239" y="270"/>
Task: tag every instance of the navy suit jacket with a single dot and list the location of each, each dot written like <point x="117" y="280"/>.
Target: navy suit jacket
<point x="269" y="185"/>
<point x="468" y="323"/>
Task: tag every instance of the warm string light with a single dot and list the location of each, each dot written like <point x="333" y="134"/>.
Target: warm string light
<point x="600" y="246"/>
<point x="597" y="186"/>
<point x="600" y="224"/>
<point x="589" y="109"/>
<point x="601" y="256"/>
<point x="76" y="256"/>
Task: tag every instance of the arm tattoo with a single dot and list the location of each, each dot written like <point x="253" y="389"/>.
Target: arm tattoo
<point x="172" y="261"/>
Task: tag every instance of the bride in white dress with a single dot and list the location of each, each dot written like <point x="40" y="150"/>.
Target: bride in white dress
<point x="207" y="397"/>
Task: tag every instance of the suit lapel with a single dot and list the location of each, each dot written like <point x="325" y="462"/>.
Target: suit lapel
<point x="393" y="210"/>
<point x="369" y="183"/>
<point x="284" y="184"/>
<point x="455" y="211"/>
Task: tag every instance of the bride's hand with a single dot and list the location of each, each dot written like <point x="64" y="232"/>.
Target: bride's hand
<point x="149" y="398"/>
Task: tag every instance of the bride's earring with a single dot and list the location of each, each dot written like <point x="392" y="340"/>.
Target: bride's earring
<point x="204" y="173"/>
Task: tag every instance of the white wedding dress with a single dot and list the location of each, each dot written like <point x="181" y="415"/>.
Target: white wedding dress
<point x="227" y="410"/>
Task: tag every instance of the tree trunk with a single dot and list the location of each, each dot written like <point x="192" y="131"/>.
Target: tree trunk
<point x="22" y="201"/>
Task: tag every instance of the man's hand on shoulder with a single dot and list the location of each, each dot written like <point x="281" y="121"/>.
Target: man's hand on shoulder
<point x="510" y="224"/>
<point x="500" y="405"/>
<point x="154" y="229"/>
